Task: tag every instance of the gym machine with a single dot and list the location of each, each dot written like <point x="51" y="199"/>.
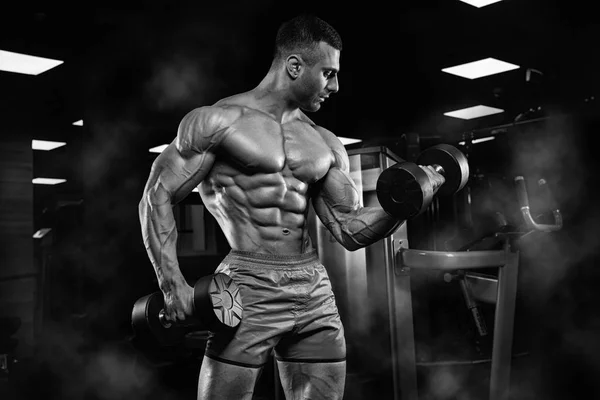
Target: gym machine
<point x="391" y="261"/>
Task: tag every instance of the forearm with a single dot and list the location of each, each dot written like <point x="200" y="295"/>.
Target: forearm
<point x="159" y="232"/>
<point x="362" y="227"/>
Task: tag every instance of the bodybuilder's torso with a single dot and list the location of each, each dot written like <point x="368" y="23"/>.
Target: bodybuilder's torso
<point x="258" y="187"/>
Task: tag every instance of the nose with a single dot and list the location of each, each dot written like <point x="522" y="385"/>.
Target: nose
<point x="334" y="85"/>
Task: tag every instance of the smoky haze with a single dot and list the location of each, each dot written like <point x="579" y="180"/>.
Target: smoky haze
<point x="555" y="348"/>
<point x="556" y="328"/>
<point x="139" y="81"/>
<point x="163" y="64"/>
<point x="559" y="269"/>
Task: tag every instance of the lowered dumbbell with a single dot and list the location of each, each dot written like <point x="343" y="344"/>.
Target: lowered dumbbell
<point x="404" y="189"/>
<point x="217" y="306"/>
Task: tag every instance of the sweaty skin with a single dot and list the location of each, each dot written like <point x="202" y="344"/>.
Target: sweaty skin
<point x="260" y="193"/>
<point x="258" y="161"/>
<point x="256" y="176"/>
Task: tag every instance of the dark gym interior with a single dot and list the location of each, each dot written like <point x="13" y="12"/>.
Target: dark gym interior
<point x="72" y="259"/>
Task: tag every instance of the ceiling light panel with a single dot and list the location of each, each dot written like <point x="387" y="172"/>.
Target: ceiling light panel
<point x="158" y="149"/>
<point x="478" y="69"/>
<point x="25" y="64"/>
<point x="480" y="3"/>
<point x="45" y="145"/>
<point x="48" y="181"/>
<point x="473" y="112"/>
<point x="346" y="141"/>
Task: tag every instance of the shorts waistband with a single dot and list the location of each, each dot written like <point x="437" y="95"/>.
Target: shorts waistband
<point x="272" y="260"/>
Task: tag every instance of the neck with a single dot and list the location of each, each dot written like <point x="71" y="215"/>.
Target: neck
<point x="274" y="94"/>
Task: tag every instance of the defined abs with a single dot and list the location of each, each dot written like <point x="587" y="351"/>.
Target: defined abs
<point x="254" y="209"/>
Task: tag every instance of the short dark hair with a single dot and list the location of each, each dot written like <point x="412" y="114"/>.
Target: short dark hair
<point x="302" y="34"/>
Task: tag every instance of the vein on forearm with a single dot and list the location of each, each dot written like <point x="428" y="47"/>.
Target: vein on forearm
<point x="160" y="235"/>
<point x="362" y="227"/>
<point x="351" y="224"/>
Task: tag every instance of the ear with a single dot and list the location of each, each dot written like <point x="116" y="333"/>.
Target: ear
<point x="293" y="65"/>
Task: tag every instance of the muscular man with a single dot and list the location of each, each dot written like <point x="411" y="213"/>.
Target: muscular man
<point x="258" y="161"/>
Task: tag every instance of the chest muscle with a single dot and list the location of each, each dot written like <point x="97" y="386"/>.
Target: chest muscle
<point x="259" y="144"/>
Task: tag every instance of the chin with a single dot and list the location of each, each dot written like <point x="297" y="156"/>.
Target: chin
<point x="311" y="107"/>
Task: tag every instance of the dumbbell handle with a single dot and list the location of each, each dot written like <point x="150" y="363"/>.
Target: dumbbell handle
<point x="439" y="169"/>
<point x="524" y="204"/>
<point x="162" y="318"/>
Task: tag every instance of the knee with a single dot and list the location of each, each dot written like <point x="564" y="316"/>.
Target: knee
<point x="315" y="381"/>
<point x="221" y="381"/>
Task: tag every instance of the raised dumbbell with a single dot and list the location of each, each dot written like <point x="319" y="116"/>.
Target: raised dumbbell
<point x="217" y="306"/>
<point x="404" y="189"/>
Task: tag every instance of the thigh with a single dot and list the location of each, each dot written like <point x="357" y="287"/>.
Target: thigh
<point x="319" y="333"/>
<point x="315" y="381"/>
<point x="265" y="318"/>
<point x="223" y="381"/>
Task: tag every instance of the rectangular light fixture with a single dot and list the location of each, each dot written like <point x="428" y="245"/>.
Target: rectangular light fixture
<point x="41" y="233"/>
<point x="47" y="181"/>
<point x="480" y="140"/>
<point x="480" y="3"/>
<point x="158" y="149"/>
<point x="346" y="141"/>
<point x="473" y="112"/>
<point x="78" y="123"/>
<point x="45" y="145"/>
<point x="25" y="64"/>
<point x="478" y="69"/>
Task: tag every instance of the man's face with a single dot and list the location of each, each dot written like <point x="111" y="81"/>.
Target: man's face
<point x="317" y="82"/>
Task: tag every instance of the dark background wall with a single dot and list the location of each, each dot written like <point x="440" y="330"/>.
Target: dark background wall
<point x="136" y="74"/>
<point x="18" y="275"/>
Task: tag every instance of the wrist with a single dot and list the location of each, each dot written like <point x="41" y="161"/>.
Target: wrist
<point x="172" y="283"/>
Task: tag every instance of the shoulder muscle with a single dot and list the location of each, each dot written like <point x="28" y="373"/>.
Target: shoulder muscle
<point x="201" y="130"/>
<point x="336" y="146"/>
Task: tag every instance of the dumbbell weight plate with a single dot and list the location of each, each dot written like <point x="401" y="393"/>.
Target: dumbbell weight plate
<point x="404" y="190"/>
<point x="145" y="321"/>
<point x="217" y="302"/>
<point x="454" y="162"/>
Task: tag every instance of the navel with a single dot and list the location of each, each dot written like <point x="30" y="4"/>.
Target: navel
<point x="286" y="231"/>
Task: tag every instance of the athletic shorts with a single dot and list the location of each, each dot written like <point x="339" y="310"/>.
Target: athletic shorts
<point x="288" y="305"/>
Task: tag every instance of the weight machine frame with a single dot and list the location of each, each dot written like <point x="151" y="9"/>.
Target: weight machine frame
<point x="398" y="267"/>
<point x="399" y="261"/>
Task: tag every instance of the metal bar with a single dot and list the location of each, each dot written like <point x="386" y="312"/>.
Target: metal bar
<point x="450" y="260"/>
<point x="473" y="307"/>
<point x="405" y="336"/>
<point x="503" y="327"/>
<point x="523" y="200"/>
<point x="449" y="363"/>
<point x="394" y="339"/>
<point x="402" y="335"/>
<point x="532" y="224"/>
<point x="494" y="130"/>
<point x="388" y="251"/>
<point x="402" y="338"/>
<point x="382" y="150"/>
